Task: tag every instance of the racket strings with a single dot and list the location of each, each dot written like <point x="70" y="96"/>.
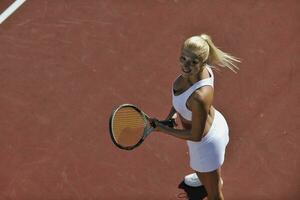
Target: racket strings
<point x="128" y="126"/>
<point x="128" y="117"/>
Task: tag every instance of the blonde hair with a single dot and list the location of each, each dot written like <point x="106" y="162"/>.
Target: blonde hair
<point x="205" y="49"/>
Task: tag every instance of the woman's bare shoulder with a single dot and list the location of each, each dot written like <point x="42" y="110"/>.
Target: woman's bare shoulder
<point x="204" y="94"/>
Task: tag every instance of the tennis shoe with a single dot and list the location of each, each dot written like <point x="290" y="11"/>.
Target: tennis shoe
<point x="192" y="180"/>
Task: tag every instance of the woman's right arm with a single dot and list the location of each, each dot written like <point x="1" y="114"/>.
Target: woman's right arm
<point x="171" y="113"/>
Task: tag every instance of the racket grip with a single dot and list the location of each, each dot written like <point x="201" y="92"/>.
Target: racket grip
<point x="153" y="124"/>
<point x="170" y="123"/>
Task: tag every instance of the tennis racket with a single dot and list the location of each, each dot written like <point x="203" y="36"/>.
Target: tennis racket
<point x="129" y="126"/>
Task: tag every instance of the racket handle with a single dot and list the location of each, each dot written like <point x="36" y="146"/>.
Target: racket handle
<point x="153" y="124"/>
<point x="170" y="123"/>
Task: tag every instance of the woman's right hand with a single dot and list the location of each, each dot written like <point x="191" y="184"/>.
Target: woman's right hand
<point x="174" y="120"/>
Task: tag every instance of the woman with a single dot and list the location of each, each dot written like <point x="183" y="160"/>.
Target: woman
<point x="205" y="128"/>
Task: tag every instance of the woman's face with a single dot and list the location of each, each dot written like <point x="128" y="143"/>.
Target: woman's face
<point x="190" y="63"/>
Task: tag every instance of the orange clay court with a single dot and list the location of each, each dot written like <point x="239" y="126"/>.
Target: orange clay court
<point x="65" y="65"/>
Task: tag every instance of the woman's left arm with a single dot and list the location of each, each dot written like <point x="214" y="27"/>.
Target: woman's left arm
<point x="200" y="105"/>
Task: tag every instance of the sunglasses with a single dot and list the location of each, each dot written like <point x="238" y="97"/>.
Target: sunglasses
<point x="184" y="60"/>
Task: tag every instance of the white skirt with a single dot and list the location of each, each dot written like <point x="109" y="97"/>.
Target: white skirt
<point x="208" y="154"/>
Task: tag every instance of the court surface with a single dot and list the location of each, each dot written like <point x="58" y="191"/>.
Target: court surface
<point x="64" y="65"/>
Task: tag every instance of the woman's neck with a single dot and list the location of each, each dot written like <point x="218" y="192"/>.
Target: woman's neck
<point x="196" y="77"/>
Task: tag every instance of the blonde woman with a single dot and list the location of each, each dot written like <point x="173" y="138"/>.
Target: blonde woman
<point x="204" y="127"/>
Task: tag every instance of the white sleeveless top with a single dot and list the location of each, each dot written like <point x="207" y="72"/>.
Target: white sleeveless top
<point x="179" y="101"/>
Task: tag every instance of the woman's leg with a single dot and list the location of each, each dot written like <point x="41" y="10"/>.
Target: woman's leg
<point x="212" y="183"/>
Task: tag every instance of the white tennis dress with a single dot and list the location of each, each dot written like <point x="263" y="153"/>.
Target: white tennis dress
<point x="208" y="154"/>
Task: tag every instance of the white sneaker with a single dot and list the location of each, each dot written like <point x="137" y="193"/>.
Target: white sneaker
<point x="192" y="180"/>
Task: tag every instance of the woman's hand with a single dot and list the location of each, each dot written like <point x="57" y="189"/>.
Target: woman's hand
<point x="156" y="124"/>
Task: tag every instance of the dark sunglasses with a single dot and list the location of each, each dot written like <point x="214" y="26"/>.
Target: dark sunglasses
<point x="183" y="59"/>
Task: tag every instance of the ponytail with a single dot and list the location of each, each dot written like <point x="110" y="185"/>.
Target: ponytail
<point x="205" y="48"/>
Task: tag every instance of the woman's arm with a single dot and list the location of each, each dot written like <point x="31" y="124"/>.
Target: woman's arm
<point x="200" y="108"/>
<point x="179" y="133"/>
<point x="171" y="113"/>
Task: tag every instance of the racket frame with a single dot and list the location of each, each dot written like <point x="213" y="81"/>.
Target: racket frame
<point x="147" y="129"/>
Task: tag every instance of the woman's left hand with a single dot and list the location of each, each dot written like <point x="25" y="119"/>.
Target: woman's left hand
<point x="155" y="123"/>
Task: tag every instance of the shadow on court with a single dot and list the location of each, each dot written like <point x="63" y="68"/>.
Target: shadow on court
<point x="192" y="193"/>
